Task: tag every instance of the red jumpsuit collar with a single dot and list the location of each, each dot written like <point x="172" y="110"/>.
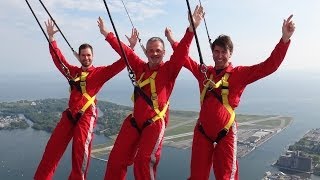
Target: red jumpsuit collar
<point x="155" y="68"/>
<point x="89" y="69"/>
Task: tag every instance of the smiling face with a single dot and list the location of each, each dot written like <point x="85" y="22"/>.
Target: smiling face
<point x="221" y="57"/>
<point x="155" y="51"/>
<point x="85" y="55"/>
<point x="222" y="49"/>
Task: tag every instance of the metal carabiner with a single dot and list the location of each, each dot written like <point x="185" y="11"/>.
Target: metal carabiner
<point x="132" y="77"/>
<point x="210" y="85"/>
<point x="203" y="69"/>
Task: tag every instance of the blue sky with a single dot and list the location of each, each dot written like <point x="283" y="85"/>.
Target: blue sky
<point x="254" y="26"/>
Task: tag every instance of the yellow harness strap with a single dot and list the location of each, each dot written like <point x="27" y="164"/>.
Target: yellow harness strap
<point x="210" y="83"/>
<point x="225" y="101"/>
<point x="224" y="94"/>
<point x="154" y="96"/>
<point x="90" y="99"/>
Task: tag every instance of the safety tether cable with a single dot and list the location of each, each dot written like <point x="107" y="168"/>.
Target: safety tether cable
<point x="203" y="67"/>
<point x="44" y="7"/>
<point x="130" y="71"/>
<point x="205" y="23"/>
<point x="195" y="32"/>
<point x="66" y="71"/>
<point x="141" y="45"/>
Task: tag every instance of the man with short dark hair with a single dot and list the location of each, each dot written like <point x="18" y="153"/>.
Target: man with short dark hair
<point x="215" y="134"/>
<point x="79" y="119"/>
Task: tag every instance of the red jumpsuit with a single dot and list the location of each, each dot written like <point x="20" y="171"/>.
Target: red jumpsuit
<point x="214" y="116"/>
<point x="144" y="149"/>
<point x="82" y="131"/>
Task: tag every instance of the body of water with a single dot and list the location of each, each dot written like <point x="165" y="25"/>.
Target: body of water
<point x="21" y="150"/>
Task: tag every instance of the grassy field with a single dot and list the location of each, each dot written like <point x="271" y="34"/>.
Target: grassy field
<point x="182" y="123"/>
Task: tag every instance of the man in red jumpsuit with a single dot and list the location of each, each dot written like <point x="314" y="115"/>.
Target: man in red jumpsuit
<point x="215" y="135"/>
<point x="78" y="121"/>
<point x="140" y="138"/>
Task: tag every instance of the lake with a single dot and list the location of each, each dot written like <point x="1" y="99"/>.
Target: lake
<point x="21" y="150"/>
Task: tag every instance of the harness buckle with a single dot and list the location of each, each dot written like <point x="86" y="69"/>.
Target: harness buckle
<point x="154" y="96"/>
<point x="210" y="85"/>
<point x="224" y="91"/>
<point x="83" y="83"/>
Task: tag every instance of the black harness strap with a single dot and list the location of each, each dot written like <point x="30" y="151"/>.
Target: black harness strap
<point x="75" y="119"/>
<point x="139" y="92"/>
<point x="216" y="95"/>
<point x="221" y="134"/>
<point x="74" y="84"/>
<point x="135" y="125"/>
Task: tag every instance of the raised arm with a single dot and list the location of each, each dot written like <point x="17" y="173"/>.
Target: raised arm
<point x="55" y="52"/>
<point x="288" y="28"/>
<point x="190" y="64"/>
<point x="272" y="63"/>
<point x="133" y="59"/>
<point x="180" y="54"/>
<point x="105" y="73"/>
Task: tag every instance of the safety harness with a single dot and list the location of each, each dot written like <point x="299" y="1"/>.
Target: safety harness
<point x="209" y="86"/>
<point x="80" y="84"/>
<point x="154" y="99"/>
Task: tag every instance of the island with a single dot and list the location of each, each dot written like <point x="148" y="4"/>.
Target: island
<point x="253" y="130"/>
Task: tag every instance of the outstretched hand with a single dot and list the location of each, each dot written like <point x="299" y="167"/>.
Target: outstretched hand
<point x="288" y="28"/>
<point x="133" y="39"/>
<point x="197" y="16"/>
<point x="103" y="29"/>
<point x="50" y="29"/>
<point x="168" y="33"/>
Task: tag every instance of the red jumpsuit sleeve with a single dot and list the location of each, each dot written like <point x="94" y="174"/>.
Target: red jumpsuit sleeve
<point x="108" y="72"/>
<point x="190" y="64"/>
<point x="134" y="61"/>
<point x="58" y="58"/>
<point x="180" y="54"/>
<point x="250" y="74"/>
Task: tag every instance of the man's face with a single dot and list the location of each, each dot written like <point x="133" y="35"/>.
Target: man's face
<point x="155" y="53"/>
<point x="221" y="57"/>
<point x="86" y="57"/>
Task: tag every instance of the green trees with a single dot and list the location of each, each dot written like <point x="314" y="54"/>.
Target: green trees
<point x="46" y="113"/>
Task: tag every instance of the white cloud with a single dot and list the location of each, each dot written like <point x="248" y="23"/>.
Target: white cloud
<point x="253" y="27"/>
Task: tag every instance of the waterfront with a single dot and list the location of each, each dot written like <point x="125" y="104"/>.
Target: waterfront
<point x="21" y="150"/>
<point x="20" y="163"/>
